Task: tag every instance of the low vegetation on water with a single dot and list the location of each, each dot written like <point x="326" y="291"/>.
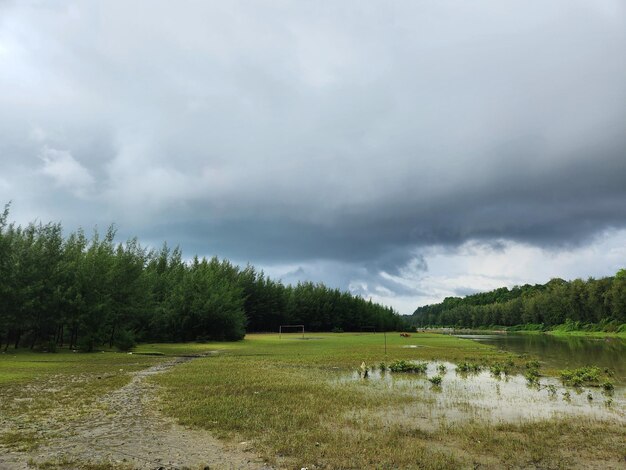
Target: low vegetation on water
<point x="285" y="398"/>
<point x="587" y="376"/>
<point x="435" y="380"/>
<point x="407" y="366"/>
<point x="469" y="367"/>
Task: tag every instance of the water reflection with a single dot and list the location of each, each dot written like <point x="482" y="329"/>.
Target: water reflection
<point x="563" y="352"/>
<point x="481" y="396"/>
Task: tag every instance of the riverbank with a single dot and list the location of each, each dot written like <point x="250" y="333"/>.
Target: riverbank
<point x="559" y="330"/>
<point x="588" y="334"/>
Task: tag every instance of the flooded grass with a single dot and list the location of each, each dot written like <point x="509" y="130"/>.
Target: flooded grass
<point x="463" y="396"/>
<point x="311" y="404"/>
<point x="336" y="403"/>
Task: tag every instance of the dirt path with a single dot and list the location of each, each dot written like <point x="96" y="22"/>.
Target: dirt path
<point x="127" y="431"/>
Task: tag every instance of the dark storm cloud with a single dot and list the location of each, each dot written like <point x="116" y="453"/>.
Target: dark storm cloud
<point x="350" y="133"/>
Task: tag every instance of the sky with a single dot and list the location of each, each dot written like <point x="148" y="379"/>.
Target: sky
<point x="405" y="151"/>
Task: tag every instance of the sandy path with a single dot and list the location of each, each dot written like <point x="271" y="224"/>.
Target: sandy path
<point x="127" y="430"/>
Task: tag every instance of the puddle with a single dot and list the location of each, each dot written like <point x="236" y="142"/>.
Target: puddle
<point x="481" y="396"/>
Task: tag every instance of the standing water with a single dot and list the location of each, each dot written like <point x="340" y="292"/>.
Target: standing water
<point x="563" y="352"/>
<point x="483" y="396"/>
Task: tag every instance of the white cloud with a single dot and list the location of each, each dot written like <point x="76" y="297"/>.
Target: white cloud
<point x="329" y="141"/>
<point x="477" y="267"/>
<point x="66" y="171"/>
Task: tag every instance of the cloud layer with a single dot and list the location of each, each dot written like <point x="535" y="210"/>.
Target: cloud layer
<point x="343" y="142"/>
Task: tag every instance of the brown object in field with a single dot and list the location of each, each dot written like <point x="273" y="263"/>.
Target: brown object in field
<point x="405" y="335"/>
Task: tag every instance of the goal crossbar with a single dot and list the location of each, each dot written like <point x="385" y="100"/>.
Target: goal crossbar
<point x="281" y="327"/>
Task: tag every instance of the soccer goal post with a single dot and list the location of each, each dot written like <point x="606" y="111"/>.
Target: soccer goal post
<point x="290" y="329"/>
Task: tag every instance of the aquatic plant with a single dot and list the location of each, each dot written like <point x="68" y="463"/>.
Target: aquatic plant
<point x="590" y="376"/>
<point x="468" y="367"/>
<point x="499" y="368"/>
<point x="532" y="372"/>
<point x="534" y="364"/>
<point x="405" y="366"/>
<point x="382" y="366"/>
<point x="442" y="368"/>
<point x="435" y="380"/>
<point x="532" y="377"/>
<point x="608" y="386"/>
<point x="609" y="372"/>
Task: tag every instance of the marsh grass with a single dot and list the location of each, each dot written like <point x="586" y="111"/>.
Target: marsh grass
<point x="285" y="398"/>
<point x="469" y="367"/>
<point x="408" y="366"/>
<point x="587" y="376"/>
<point x="436" y="380"/>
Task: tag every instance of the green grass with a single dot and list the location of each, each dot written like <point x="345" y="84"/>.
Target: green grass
<point x="588" y="334"/>
<point x="287" y="397"/>
<point x="284" y="396"/>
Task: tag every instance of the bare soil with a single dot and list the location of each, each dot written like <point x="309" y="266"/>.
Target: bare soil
<point x="127" y="431"/>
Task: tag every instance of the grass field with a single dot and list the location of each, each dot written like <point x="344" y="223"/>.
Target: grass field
<point x="297" y="403"/>
<point x="283" y="395"/>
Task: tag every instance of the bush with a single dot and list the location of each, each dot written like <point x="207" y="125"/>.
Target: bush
<point x="532" y="376"/>
<point x="581" y="376"/>
<point x="404" y="366"/>
<point x="498" y="368"/>
<point x="469" y="367"/>
<point x="608" y="386"/>
<point x="435" y="380"/>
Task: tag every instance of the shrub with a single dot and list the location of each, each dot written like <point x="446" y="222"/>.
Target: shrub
<point x="405" y="366"/>
<point x="608" y="386"/>
<point x="581" y="376"/>
<point x="435" y="380"/>
<point x="498" y="368"/>
<point x="468" y="367"/>
<point x="532" y="376"/>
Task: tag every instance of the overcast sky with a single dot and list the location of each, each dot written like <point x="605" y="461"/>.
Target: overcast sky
<point x="405" y="150"/>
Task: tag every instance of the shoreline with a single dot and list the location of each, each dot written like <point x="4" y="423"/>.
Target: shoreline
<point x="504" y="331"/>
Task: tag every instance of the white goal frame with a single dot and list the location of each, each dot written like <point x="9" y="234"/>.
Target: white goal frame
<point x="280" y="329"/>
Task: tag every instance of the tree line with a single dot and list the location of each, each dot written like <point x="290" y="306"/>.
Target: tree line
<point x="83" y="292"/>
<point x="558" y="302"/>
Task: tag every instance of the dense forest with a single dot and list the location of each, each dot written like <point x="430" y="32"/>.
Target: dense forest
<point x="558" y="302"/>
<point x="82" y="292"/>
